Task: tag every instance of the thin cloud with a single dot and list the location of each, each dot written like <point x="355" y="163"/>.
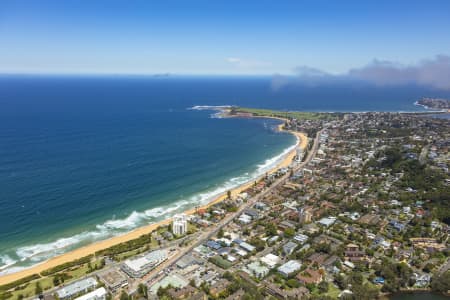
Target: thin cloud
<point x="431" y="72"/>
<point x="434" y="72"/>
<point x="248" y="64"/>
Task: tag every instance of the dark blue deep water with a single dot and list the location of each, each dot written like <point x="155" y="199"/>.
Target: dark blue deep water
<point x="86" y="158"/>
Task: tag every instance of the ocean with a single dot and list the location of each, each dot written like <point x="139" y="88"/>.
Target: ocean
<point x="84" y="158"/>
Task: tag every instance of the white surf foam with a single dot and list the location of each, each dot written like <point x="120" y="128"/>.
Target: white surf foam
<point x="30" y="255"/>
<point x="209" y="107"/>
<point x="6" y="261"/>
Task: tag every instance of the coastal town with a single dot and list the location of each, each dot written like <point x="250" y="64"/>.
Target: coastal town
<point x="359" y="212"/>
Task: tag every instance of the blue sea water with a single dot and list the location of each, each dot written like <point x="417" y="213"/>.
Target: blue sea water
<point x="86" y="158"/>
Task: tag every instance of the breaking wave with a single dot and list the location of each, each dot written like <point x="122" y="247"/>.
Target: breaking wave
<point x="27" y="256"/>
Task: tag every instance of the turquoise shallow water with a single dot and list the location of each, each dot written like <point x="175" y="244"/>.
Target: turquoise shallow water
<point x="85" y="158"/>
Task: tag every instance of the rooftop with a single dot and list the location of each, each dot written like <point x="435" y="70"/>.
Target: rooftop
<point x="175" y="281"/>
<point x="76" y="287"/>
<point x="290" y="267"/>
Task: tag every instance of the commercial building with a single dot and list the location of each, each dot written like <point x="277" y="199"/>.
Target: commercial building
<point x="138" y="267"/>
<point x="180" y="224"/>
<point x="77" y="287"/>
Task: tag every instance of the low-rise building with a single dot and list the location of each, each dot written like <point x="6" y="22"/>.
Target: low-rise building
<point x="98" y="294"/>
<point x="138" y="267"/>
<point x="289" y="268"/>
<point x="113" y="279"/>
<point x="310" y="276"/>
<point x="76" y="288"/>
<point x="289" y="248"/>
<point x="327" y="222"/>
<point x="301" y="238"/>
<point x="270" y="260"/>
<point x="257" y="269"/>
<point x="175" y="281"/>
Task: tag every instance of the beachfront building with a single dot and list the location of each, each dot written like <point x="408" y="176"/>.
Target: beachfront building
<point x="98" y="294"/>
<point x="140" y="266"/>
<point x="76" y="288"/>
<point x="180" y="224"/>
<point x="300" y="154"/>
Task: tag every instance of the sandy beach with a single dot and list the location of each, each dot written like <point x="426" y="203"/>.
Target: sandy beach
<point x="302" y="142"/>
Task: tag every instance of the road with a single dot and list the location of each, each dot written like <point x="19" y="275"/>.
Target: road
<point x="154" y="275"/>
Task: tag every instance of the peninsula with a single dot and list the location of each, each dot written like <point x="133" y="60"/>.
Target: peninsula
<point x="435" y="103"/>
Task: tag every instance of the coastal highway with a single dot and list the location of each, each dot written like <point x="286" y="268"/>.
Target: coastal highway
<point x="156" y="273"/>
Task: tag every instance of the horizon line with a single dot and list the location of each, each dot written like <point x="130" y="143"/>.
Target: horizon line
<point x="156" y="75"/>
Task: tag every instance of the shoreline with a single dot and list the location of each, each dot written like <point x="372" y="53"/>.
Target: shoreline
<point x="302" y="141"/>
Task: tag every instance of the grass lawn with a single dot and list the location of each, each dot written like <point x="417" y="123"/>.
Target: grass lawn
<point x="220" y="262"/>
<point x="333" y="291"/>
<point x="46" y="283"/>
<point x="287" y="114"/>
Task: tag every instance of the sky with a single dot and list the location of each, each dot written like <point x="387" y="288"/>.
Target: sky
<point x="220" y="37"/>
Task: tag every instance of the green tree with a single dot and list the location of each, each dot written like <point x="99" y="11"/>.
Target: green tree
<point x="258" y="243"/>
<point x="38" y="289"/>
<point x="192" y="282"/>
<point x="365" y="292"/>
<point x="289" y="232"/>
<point x="142" y="290"/>
<point x="323" y="287"/>
<point x="271" y="229"/>
<point x="355" y="279"/>
<point x="56" y="280"/>
<point x="124" y="296"/>
<point x="293" y="283"/>
<point x="441" y="282"/>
